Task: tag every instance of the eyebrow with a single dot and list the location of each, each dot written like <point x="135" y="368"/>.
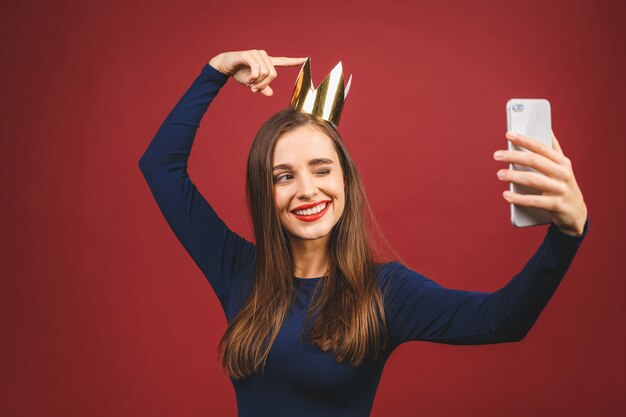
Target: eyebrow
<point x="312" y="162"/>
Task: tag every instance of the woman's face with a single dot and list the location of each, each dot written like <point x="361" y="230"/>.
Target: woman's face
<point x="307" y="171"/>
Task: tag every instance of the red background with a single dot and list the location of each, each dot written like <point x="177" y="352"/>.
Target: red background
<point x="105" y="314"/>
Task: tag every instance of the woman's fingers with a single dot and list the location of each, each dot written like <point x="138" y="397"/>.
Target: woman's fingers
<point x="271" y="75"/>
<point x="533" y="160"/>
<point x="249" y="59"/>
<point x="267" y="73"/>
<point x="561" y="195"/>
<point x="535" y="146"/>
<point x="282" y="61"/>
<point x="253" y="68"/>
<point x="556" y="145"/>
<point x="262" y="85"/>
<point x="549" y="161"/>
<point x="257" y="76"/>
<point x="267" y="91"/>
<point x="545" y="202"/>
<point x="533" y="180"/>
<point x="248" y="65"/>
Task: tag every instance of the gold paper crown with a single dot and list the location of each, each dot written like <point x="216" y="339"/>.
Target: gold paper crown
<point x="325" y="101"/>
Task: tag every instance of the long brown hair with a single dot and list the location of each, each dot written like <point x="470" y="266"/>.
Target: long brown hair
<point x="351" y="320"/>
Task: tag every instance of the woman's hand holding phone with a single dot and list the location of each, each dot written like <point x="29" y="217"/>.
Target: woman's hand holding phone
<point x="561" y="196"/>
<point x="253" y="68"/>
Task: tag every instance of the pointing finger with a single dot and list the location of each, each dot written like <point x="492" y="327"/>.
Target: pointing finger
<point x="282" y="61"/>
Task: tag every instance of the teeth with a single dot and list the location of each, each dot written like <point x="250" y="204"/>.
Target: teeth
<point x="310" y="211"/>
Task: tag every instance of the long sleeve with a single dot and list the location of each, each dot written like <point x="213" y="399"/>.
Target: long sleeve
<point x="421" y="309"/>
<point x="221" y="254"/>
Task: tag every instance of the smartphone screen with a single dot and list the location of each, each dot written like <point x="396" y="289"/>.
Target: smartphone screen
<point x="531" y="118"/>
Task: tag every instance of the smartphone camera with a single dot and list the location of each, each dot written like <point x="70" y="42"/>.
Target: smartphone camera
<point x="518" y="107"/>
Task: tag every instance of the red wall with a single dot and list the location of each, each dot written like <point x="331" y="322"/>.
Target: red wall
<point x="104" y="313"/>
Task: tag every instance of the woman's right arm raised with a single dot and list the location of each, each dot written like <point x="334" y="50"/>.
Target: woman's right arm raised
<point x="220" y="253"/>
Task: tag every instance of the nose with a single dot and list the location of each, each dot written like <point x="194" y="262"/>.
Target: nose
<point x="308" y="187"/>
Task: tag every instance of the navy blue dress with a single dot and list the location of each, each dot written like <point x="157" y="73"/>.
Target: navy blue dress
<point x="300" y="379"/>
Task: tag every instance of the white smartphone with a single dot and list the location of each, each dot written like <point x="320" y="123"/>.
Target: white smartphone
<point x="529" y="117"/>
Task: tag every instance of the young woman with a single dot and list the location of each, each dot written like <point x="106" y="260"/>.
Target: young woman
<point x="313" y="313"/>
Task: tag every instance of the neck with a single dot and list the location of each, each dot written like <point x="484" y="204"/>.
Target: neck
<point x="311" y="257"/>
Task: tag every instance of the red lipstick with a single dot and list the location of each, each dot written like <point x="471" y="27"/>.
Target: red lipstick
<point x="308" y="206"/>
<point x="312" y="217"/>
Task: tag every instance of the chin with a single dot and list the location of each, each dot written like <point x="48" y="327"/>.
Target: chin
<point x="309" y="236"/>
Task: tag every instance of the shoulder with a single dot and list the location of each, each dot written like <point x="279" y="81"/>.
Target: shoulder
<point x="388" y="269"/>
<point x="395" y="275"/>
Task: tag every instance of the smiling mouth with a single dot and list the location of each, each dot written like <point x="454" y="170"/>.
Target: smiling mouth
<point x="314" y="215"/>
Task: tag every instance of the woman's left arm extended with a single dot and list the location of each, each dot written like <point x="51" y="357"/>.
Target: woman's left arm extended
<point x="421" y="309"/>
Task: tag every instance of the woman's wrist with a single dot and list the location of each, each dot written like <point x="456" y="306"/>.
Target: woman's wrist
<point x="215" y="63"/>
<point x="576" y="231"/>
